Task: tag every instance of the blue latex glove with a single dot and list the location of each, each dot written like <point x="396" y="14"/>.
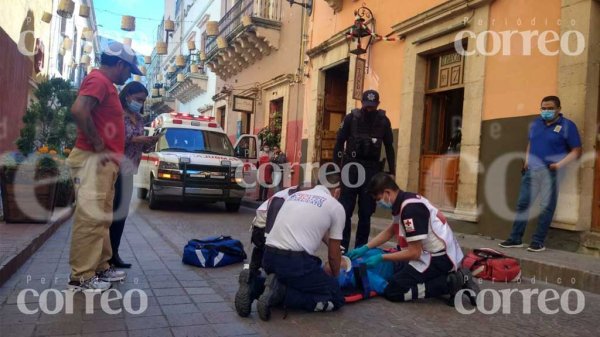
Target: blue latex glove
<point x="357" y="252"/>
<point x="374" y="260"/>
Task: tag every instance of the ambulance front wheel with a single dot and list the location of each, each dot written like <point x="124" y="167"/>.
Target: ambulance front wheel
<point x="233" y="206"/>
<point x="152" y="200"/>
<point x="142" y="193"/>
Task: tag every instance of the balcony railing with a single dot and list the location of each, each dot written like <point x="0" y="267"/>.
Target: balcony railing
<point x="171" y="78"/>
<point x="269" y="10"/>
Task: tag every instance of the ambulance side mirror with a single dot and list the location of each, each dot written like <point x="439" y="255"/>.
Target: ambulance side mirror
<point x="246" y="147"/>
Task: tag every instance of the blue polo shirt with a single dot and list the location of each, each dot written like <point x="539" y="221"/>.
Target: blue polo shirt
<point x="551" y="143"/>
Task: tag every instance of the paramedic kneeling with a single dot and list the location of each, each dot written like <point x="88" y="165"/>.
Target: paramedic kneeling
<point x="433" y="254"/>
<point x="295" y="276"/>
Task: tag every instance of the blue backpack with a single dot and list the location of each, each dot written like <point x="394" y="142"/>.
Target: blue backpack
<point x="214" y="251"/>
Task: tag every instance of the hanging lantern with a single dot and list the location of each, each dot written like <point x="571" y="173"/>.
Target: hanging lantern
<point x="67" y="43"/>
<point x="180" y="61"/>
<point x="191" y="45"/>
<point x="128" y="23"/>
<point x="180" y="77"/>
<point x="246" y="21"/>
<point x="127" y="41"/>
<point x="88" y="33"/>
<point x="161" y="92"/>
<point x="65" y="8"/>
<point x="361" y="30"/>
<point x="221" y="42"/>
<point x="193" y="68"/>
<point x="88" y="48"/>
<point x="143" y="70"/>
<point x="212" y="28"/>
<point x="159" y="78"/>
<point x="171" y="69"/>
<point x="84" y="11"/>
<point x="147" y="59"/>
<point x="161" y="48"/>
<point x="202" y="56"/>
<point x="47" y="17"/>
<point x="137" y="78"/>
<point x="169" y="25"/>
<point x="154" y="92"/>
<point x="85" y="59"/>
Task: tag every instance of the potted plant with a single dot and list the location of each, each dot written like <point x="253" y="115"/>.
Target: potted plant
<point x="271" y="134"/>
<point x="29" y="177"/>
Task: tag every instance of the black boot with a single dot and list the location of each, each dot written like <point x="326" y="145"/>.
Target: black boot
<point x="116" y="262"/>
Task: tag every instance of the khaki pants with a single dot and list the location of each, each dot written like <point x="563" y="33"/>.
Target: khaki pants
<point x="95" y="189"/>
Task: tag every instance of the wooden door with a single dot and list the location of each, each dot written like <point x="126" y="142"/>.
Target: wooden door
<point x="596" y="200"/>
<point x="336" y="89"/>
<point x="439" y="169"/>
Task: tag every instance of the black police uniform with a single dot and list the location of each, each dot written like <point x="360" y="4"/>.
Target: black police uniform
<point x="363" y="133"/>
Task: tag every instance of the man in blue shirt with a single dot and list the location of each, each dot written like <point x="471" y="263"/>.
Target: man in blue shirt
<point x="553" y="143"/>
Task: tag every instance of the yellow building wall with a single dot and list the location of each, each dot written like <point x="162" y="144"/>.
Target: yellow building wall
<point x="516" y="83"/>
<point x="13" y="17"/>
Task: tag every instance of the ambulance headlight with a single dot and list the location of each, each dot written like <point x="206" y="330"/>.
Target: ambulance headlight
<point x="165" y="165"/>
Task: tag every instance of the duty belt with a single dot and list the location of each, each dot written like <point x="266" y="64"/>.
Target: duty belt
<point x="283" y="251"/>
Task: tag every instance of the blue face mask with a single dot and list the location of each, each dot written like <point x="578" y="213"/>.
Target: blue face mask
<point x="548" y="115"/>
<point x="134" y="106"/>
<point x="384" y="204"/>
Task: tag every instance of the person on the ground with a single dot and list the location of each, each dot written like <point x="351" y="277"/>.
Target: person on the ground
<point x="94" y="163"/>
<point x="433" y="254"/>
<point x="363" y="132"/>
<point x="265" y="176"/>
<point x="554" y="142"/>
<point x="295" y="275"/>
<point x="132" y="98"/>
<point x="279" y="160"/>
<point x="251" y="281"/>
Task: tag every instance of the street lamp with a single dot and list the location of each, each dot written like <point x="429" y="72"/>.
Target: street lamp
<point x="308" y="5"/>
<point x="363" y="17"/>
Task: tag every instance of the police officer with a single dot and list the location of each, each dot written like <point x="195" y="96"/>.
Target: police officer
<point x="363" y="132"/>
<point x="433" y="254"/>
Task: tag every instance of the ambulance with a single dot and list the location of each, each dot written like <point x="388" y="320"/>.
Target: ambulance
<point x="194" y="160"/>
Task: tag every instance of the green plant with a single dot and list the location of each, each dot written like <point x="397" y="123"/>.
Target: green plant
<point x="47" y="121"/>
<point x="271" y="134"/>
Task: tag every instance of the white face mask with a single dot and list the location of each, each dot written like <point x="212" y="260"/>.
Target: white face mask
<point x="134" y="106"/>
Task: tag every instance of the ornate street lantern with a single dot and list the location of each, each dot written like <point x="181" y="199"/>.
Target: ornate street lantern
<point x="84" y="11"/>
<point x="65" y="8"/>
<point x="362" y="30"/>
<point x="128" y="23"/>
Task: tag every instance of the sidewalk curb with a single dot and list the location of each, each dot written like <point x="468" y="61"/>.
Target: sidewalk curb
<point x="13" y="263"/>
<point x="551" y="266"/>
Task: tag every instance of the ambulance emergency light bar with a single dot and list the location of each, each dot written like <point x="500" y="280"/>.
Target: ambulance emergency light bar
<point x="180" y="117"/>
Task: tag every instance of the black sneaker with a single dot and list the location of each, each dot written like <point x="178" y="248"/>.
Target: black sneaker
<point x="243" y="300"/>
<point x="273" y="295"/>
<point x="469" y="283"/>
<point x="455" y="283"/>
<point x="536" y="247"/>
<point x="510" y="244"/>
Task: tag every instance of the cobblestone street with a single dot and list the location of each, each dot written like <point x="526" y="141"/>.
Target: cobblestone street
<point x="187" y="301"/>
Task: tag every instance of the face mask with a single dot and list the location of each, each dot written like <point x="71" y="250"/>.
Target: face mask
<point x="134" y="106"/>
<point x="384" y="204"/>
<point x="548" y="115"/>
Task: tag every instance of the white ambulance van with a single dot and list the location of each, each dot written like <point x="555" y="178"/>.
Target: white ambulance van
<point x="194" y="160"/>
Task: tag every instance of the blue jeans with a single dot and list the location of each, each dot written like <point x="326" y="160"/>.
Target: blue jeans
<point x="306" y="283"/>
<point x="534" y="183"/>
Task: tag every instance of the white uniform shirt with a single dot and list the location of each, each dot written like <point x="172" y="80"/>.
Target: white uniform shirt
<point x="260" y="220"/>
<point x="305" y="218"/>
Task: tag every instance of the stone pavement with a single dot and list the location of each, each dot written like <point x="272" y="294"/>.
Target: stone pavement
<point x="18" y="241"/>
<point x="188" y="301"/>
<point x="180" y="302"/>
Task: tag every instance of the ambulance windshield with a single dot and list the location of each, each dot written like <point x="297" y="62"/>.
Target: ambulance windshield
<point x="195" y="141"/>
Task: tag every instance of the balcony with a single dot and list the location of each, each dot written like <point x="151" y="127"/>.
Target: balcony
<point x="250" y="30"/>
<point x="189" y="86"/>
